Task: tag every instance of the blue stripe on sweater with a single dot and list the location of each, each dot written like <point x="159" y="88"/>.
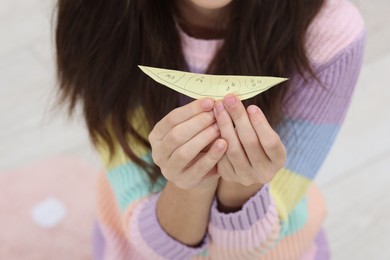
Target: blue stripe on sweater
<point x="130" y="183"/>
<point x="307" y="144"/>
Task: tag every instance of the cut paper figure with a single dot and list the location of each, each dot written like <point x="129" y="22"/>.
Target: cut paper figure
<point x="216" y="86"/>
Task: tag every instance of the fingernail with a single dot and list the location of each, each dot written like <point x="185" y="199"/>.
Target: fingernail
<point x="219" y="106"/>
<point x="230" y="100"/>
<point x="252" y="109"/>
<point x="207" y="104"/>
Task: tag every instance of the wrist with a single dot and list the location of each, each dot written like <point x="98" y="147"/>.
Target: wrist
<point x="184" y="214"/>
<point x="201" y="191"/>
<point x="232" y="196"/>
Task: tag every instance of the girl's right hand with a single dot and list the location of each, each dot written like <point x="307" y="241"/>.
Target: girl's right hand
<point x="177" y="142"/>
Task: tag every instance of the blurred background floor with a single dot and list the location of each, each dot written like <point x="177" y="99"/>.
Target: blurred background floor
<point x="354" y="178"/>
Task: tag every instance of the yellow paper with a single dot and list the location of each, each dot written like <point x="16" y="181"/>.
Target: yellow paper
<point x="216" y="86"/>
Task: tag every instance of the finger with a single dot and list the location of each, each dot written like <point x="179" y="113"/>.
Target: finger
<point x="269" y="139"/>
<point x="180" y="115"/>
<point x="246" y="134"/>
<point x="186" y="131"/>
<point x="225" y="169"/>
<point x="183" y="155"/>
<point x="200" y="168"/>
<point x="235" y="151"/>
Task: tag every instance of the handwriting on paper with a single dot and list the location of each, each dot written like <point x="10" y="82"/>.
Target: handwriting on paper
<point x="205" y="85"/>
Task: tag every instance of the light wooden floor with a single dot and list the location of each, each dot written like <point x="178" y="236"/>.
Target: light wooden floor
<point x="355" y="177"/>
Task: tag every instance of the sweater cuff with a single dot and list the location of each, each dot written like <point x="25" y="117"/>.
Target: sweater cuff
<point x="156" y="237"/>
<point x="252" y="211"/>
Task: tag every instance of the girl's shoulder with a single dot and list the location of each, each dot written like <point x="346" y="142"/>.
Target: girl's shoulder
<point x="337" y="26"/>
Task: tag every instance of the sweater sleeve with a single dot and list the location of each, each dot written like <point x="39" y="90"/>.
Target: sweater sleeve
<point x="135" y="199"/>
<point x="313" y="114"/>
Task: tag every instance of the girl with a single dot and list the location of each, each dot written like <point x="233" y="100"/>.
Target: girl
<point x="209" y="179"/>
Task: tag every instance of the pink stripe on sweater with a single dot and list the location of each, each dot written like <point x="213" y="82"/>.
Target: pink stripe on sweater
<point x="198" y="52"/>
<point x="256" y="252"/>
<point x="116" y="247"/>
<point x="337" y="25"/>
<point x="297" y="244"/>
<point x="119" y="247"/>
<point x="311" y="253"/>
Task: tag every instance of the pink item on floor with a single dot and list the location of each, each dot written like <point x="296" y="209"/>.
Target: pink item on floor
<point x="47" y="210"/>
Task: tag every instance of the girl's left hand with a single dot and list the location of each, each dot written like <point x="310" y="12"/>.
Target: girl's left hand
<point x="255" y="152"/>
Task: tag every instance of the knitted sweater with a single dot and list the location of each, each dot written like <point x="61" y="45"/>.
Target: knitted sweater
<point x="283" y="219"/>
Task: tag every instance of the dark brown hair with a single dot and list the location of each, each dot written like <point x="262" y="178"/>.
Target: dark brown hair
<point x="100" y="43"/>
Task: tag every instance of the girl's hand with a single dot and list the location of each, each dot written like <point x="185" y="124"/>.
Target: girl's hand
<point x="177" y="142"/>
<point x="255" y="152"/>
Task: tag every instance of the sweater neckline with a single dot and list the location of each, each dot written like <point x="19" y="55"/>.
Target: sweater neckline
<point x="198" y="52"/>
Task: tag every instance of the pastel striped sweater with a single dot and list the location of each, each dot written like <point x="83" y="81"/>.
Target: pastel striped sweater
<point x="282" y="220"/>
